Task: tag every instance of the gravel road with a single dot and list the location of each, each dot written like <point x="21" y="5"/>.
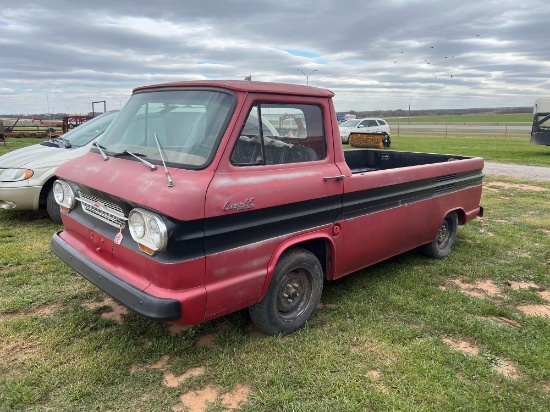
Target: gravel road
<point x="537" y="173"/>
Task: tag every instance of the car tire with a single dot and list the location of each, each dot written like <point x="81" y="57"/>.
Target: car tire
<point x="445" y="239"/>
<point x="293" y="294"/>
<point x="53" y="208"/>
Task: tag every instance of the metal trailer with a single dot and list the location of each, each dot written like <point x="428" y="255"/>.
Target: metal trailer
<point x="540" y="131"/>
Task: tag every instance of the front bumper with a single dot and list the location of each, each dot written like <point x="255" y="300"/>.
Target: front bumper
<point x="136" y="299"/>
<point x="20" y="198"/>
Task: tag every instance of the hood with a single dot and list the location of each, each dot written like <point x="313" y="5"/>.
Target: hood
<point x="39" y="156"/>
<point x="133" y="181"/>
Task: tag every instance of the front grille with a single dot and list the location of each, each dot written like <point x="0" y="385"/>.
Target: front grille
<point x="106" y="211"/>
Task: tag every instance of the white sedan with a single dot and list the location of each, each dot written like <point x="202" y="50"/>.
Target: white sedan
<point x="27" y="174"/>
<point x="367" y="125"/>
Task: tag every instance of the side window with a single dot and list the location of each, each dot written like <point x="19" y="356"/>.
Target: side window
<point x="381" y="122"/>
<point x="281" y="134"/>
<point x="363" y="123"/>
<point x="372" y="123"/>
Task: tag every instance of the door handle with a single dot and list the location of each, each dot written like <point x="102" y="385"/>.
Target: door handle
<point x="339" y="177"/>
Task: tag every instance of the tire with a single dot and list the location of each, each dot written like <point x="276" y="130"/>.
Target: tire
<point x="445" y="239"/>
<point x="53" y="208"/>
<point x="293" y="294"/>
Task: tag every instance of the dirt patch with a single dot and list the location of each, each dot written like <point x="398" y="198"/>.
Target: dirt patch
<point x="209" y="340"/>
<point x="516" y="186"/>
<point x="546" y="386"/>
<point x="15" y="352"/>
<point x="116" y="309"/>
<point x="462" y="346"/>
<point x="506" y="368"/>
<point x="173" y="381"/>
<point x="501" y="366"/>
<point x="235" y="399"/>
<point x="206" y="341"/>
<point x="479" y="289"/>
<point x="175" y="330"/>
<point x="198" y="401"/>
<point x="168" y="378"/>
<point x="545" y="294"/>
<point x="523" y="285"/>
<point x="503" y="321"/>
<point x="7" y="268"/>
<point x="536" y="310"/>
<point x="376" y="376"/>
<point x="44" y="310"/>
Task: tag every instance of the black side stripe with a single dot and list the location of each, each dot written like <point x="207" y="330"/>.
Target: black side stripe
<point x="239" y="229"/>
<point x="375" y="200"/>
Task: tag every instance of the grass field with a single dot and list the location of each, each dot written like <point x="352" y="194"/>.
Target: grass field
<point x="484" y="119"/>
<point x="515" y="148"/>
<point x="410" y="334"/>
<point x="468" y="332"/>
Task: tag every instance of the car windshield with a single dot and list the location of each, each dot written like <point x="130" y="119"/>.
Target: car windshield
<point x="186" y="124"/>
<point x="88" y="131"/>
<point x="350" y="123"/>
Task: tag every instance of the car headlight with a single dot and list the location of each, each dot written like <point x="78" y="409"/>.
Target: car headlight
<point x="64" y="195"/>
<point x="148" y="230"/>
<point x="15" y="175"/>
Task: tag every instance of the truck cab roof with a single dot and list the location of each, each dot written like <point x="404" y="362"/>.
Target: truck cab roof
<point x="246" y="86"/>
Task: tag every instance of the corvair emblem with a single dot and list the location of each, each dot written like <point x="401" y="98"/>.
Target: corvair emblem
<point x="97" y="206"/>
<point x="247" y="204"/>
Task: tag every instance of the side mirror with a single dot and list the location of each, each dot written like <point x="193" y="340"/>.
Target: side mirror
<point x="360" y="126"/>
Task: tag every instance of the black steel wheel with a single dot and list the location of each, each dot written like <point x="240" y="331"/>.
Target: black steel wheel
<point x="293" y="294"/>
<point x="445" y="239"/>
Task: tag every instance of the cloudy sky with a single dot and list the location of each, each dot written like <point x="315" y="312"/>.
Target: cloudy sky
<point x="61" y="55"/>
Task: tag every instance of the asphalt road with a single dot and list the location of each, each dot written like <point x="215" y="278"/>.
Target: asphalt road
<point x="537" y="173"/>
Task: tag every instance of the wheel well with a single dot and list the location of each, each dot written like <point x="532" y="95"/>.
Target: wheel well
<point x="44" y="192"/>
<point x="322" y="250"/>
<point x="461" y="216"/>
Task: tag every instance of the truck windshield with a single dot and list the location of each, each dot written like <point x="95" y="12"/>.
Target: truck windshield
<point x="187" y="124"/>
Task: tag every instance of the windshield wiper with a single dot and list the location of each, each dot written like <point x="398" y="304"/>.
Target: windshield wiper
<point x="68" y="144"/>
<point x="65" y="141"/>
<point x="166" y="172"/>
<point x="101" y="148"/>
<point x="137" y="156"/>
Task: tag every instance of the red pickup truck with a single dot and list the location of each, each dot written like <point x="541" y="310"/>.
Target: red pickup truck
<point x="206" y="197"/>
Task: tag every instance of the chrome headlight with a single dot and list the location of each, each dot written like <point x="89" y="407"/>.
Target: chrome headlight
<point x="15" y="175"/>
<point x="148" y="230"/>
<point x="64" y="195"/>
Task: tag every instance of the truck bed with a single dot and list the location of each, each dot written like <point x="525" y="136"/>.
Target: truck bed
<point x="368" y="160"/>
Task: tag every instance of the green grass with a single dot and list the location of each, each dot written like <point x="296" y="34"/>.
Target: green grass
<point x="376" y="344"/>
<point x="515" y="148"/>
<point x="487" y="119"/>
